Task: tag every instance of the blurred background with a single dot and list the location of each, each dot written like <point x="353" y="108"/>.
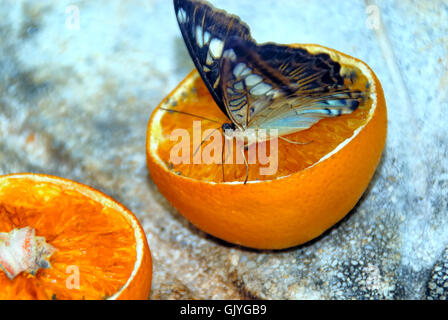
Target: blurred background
<point x="79" y="80"/>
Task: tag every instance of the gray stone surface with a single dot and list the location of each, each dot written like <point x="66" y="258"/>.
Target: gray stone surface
<point x="75" y="103"/>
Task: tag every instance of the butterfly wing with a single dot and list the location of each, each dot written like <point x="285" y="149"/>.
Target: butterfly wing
<point x="248" y="83"/>
<point x="205" y="30"/>
<point x="299" y="112"/>
<point x="274" y="86"/>
<point x="261" y="86"/>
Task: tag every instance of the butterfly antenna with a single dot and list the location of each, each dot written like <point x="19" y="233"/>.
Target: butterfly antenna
<point x="196" y="116"/>
<point x="203" y="140"/>
<point x="190" y="114"/>
<point x="295" y="142"/>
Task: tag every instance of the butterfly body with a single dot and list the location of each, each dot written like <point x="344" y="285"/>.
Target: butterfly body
<point x="261" y="86"/>
<point x="246" y="136"/>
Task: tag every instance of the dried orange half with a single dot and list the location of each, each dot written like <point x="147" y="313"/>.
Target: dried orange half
<point x="63" y="240"/>
<point x="316" y="183"/>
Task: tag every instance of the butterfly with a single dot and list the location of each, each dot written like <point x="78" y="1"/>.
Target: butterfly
<point x="261" y="86"/>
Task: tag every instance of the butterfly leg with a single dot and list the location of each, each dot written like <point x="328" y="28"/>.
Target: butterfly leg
<point x="226" y="152"/>
<point x="223" y="159"/>
<point x="247" y="165"/>
<point x="295" y="142"/>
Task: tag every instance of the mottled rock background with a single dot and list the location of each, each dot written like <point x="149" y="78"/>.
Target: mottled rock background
<point x="75" y="101"/>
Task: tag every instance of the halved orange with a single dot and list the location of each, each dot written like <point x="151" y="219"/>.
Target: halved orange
<point x="100" y="249"/>
<point x="315" y="186"/>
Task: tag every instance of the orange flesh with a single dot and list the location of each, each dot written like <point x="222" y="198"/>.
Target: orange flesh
<point x="87" y="235"/>
<point x="324" y="136"/>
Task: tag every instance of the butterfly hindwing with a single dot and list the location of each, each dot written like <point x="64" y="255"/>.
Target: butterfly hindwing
<point x="249" y="84"/>
<point x="265" y="86"/>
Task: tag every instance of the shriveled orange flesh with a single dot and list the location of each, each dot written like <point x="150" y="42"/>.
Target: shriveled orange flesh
<point x="321" y="138"/>
<point x="89" y="237"/>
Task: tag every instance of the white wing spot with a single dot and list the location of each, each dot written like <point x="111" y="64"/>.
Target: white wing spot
<point x="199" y="36"/>
<point x="209" y="60"/>
<point x="206" y="37"/>
<point x="230" y="91"/>
<point x="252" y="80"/>
<point x="241" y="70"/>
<point x="230" y="54"/>
<point x="238" y="85"/>
<point x="260" y="89"/>
<point x="275" y="93"/>
<point x="182" y="15"/>
<point x="216" y="47"/>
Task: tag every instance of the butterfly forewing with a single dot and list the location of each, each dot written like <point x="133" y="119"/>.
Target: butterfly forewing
<point x="205" y="30"/>
<point x="304" y="70"/>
